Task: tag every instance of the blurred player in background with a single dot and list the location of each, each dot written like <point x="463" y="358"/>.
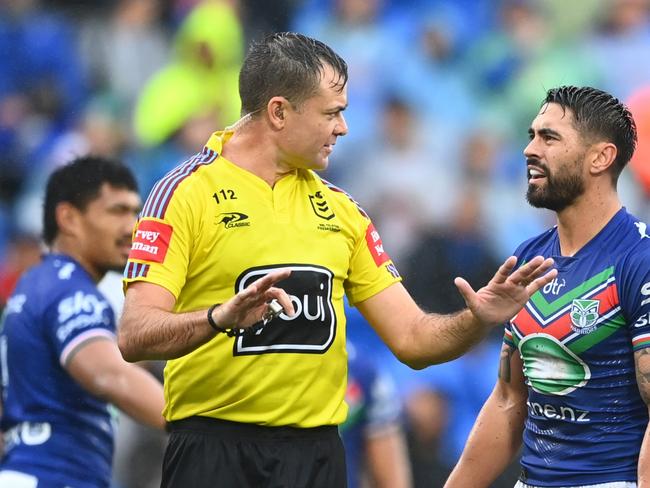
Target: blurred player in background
<point x="375" y="447"/>
<point x="259" y="406"/>
<point x="574" y="375"/>
<point x="59" y="362"/>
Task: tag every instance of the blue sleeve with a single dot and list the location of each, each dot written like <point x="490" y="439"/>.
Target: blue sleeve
<point x="633" y="283"/>
<point x="384" y="407"/>
<point x="76" y="316"/>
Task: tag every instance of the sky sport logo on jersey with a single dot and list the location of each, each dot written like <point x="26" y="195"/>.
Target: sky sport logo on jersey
<point x="311" y="330"/>
<point x="79" y="311"/>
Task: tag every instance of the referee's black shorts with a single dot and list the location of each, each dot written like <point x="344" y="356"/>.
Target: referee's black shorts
<point x="209" y="453"/>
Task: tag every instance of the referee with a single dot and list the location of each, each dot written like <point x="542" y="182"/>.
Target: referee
<point x="240" y="261"/>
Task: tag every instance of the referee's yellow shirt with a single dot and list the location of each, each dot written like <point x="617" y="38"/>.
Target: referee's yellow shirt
<point x="210" y="228"/>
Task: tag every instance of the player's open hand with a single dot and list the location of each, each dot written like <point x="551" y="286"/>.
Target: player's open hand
<point x="508" y="291"/>
<point x="251" y="305"/>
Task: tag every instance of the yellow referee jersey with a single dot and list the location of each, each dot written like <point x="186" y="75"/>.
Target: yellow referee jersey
<point x="210" y="228"/>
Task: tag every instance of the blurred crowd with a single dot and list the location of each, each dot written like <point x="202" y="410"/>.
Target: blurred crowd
<point x="441" y="96"/>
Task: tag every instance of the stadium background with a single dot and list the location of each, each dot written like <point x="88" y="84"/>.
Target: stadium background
<point x="441" y="95"/>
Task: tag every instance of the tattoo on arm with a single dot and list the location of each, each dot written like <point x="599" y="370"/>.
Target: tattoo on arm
<point x="504" y="364"/>
<point x="642" y="361"/>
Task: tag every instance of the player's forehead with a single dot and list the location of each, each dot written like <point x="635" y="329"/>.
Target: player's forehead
<point x="109" y="196"/>
<point x="554" y="116"/>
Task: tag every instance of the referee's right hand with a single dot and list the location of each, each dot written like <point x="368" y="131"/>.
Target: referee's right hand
<point x="250" y="305"/>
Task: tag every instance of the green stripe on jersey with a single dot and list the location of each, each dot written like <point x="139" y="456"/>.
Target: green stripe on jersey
<point x="600" y="334"/>
<point x="547" y="309"/>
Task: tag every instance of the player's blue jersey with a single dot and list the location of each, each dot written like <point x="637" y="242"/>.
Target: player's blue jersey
<point x="373" y="408"/>
<point x="577" y="338"/>
<point x="53" y="428"/>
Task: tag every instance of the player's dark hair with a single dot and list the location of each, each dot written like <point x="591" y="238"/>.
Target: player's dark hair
<point x="599" y="115"/>
<point x="78" y="183"/>
<point x="289" y="65"/>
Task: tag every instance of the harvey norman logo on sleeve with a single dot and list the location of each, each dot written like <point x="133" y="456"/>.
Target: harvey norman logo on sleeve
<point x="151" y="241"/>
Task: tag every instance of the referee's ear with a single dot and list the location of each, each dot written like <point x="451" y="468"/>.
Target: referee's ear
<point x="276" y="112"/>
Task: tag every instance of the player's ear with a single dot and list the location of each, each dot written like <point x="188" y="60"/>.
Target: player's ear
<point x="67" y="218"/>
<point x="604" y="155"/>
<point x="276" y="111"/>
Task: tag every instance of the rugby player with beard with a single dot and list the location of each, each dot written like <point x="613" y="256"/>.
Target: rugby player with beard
<point x="574" y="376"/>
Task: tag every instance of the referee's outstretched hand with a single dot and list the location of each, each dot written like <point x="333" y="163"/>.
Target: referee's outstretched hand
<point x="508" y="291"/>
<point x="250" y="305"/>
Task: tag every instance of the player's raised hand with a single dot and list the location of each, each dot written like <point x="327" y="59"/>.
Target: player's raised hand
<point x="251" y="305"/>
<point x="507" y="291"/>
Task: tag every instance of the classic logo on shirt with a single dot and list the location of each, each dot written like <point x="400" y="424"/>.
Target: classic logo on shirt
<point x="311" y="329"/>
<point x="320" y="207"/>
<point x="584" y="315"/>
<point x="375" y="246"/>
<point x="233" y="219"/>
<point x="151" y="241"/>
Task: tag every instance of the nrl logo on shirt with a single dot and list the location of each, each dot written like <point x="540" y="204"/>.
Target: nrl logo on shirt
<point x="233" y="219"/>
<point x="320" y="207"/>
<point x="584" y="315"/>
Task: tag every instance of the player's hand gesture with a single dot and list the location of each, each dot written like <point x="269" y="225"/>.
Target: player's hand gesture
<point x="508" y="291"/>
<point x="251" y="305"/>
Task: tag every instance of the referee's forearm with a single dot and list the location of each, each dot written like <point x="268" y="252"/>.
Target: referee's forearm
<point x="435" y="338"/>
<point x="147" y="332"/>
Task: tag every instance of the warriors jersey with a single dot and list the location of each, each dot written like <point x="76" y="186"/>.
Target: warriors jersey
<point x="208" y="230"/>
<point x="374" y="410"/>
<point x="54" y="429"/>
<point x="577" y="338"/>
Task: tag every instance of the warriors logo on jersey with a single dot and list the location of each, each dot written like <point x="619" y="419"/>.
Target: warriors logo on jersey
<point x="584" y="314"/>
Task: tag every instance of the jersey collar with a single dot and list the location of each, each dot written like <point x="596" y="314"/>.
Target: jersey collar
<point x="218" y="139"/>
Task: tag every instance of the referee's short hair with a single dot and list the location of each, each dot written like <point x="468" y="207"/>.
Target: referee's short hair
<point x="289" y="65"/>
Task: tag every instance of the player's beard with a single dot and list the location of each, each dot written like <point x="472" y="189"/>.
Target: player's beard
<point x="561" y="189"/>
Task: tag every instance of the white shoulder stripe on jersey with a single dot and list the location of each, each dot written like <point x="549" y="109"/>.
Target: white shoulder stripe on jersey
<point x="77" y="342"/>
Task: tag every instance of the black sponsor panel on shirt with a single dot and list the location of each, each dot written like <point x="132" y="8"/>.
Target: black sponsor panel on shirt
<point x="311" y="330"/>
